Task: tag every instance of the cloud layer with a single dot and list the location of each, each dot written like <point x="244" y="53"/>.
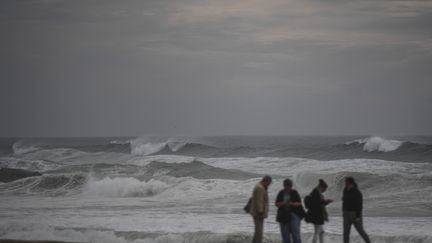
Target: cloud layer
<point x="246" y="67"/>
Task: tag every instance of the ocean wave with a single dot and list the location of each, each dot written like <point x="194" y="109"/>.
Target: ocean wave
<point x="51" y="185"/>
<point x="34" y="165"/>
<point x="123" y="187"/>
<point x="168" y="188"/>
<point x="372" y="147"/>
<point x="24" y="146"/>
<point x="372" y="144"/>
<point x="198" y="170"/>
<point x="151" y="145"/>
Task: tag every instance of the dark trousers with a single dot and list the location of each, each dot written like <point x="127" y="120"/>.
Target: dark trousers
<point x="259" y="227"/>
<point x="350" y="218"/>
<point x="291" y="229"/>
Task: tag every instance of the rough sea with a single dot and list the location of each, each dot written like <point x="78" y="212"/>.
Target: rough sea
<point x="193" y="189"/>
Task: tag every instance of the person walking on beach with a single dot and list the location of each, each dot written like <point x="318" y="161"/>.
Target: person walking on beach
<point x="290" y="213"/>
<point x="259" y="207"/>
<point x="317" y="213"/>
<point x="352" y="206"/>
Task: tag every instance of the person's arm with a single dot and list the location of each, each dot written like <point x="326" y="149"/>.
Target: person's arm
<point x="359" y="205"/>
<point x="296" y="200"/>
<point x="259" y="200"/>
<point x="279" y="200"/>
<point x="325" y="201"/>
<point x="315" y="199"/>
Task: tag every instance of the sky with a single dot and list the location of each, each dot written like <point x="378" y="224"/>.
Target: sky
<point x="215" y="67"/>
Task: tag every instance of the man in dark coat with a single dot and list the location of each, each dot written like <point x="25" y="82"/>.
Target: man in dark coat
<point x="352" y="205"/>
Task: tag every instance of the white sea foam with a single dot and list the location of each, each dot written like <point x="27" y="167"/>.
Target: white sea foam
<point x="167" y="188"/>
<point x="293" y="166"/>
<point x="149" y="145"/>
<point x="23" y="147"/>
<point x="230" y="228"/>
<point x="379" y="144"/>
<point x="147" y="148"/>
<point x="33" y="165"/>
<point x="123" y="187"/>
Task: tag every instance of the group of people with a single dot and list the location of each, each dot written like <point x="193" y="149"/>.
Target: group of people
<point x="290" y="210"/>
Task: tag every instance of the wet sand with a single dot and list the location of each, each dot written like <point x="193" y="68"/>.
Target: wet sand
<point x="34" y="241"/>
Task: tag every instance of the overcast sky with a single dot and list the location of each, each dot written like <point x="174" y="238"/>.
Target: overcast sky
<point x="215" y="67"/>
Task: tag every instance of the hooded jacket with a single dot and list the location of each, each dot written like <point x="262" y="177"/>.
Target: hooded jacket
<point x="317" y="212"/>
<point x="352" y="200"/>
<point x="259" y="202"/>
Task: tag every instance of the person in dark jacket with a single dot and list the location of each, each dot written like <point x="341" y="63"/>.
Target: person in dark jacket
<point x="317" y="213"/>
<point x="352" y="205"/>
<point x="290" y="213"/>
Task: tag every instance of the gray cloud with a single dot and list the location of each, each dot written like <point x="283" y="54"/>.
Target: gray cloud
<point x="86" y="68"/>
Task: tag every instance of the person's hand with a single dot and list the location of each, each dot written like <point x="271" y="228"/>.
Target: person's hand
<point x="296" y="204"/>
<point x="280" y="204"/>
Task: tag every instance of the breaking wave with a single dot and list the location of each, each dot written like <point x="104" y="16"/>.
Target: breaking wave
<point x="152" y="145"/>
<point x="52" y="185"/>
<point x="371" y="147"/>
<point x="123" y="187"/>
<point x="379" y="144"/>
<point x="24" y="146"/>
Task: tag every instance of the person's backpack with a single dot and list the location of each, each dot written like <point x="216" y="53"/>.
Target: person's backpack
<point x="247" y="207"/>
<point x="307" y="201"/>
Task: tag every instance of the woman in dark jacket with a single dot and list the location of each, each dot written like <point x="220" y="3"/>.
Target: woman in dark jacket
<point x="290" y="213"/>
<point x="317" y="213"/>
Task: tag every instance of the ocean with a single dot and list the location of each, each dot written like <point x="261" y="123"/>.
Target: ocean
<point x="192" y="189"/>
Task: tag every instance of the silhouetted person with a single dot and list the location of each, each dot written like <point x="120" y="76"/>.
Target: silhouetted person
<point x="352" y="205"/>
<point x="317" y="213"/>
<point x="259" y="207"/>
<point x="290" y="213"/>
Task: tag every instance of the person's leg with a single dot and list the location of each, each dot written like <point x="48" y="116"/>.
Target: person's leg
<point x="358" y="225"/>
<point x="258" y="235"/>
<point x="315" y="236"/>
<point x="285" y="232"/>
<point x="255" y="227"/>
<point x="318" y="234"/>
<point x="295" y="228"/>
<point x="320" y="230"/>
<point x="321" y="233"/>
<point x="347" y="222"/>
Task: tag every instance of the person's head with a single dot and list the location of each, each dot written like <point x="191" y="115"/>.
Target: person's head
<point x="322" y="185"/>
<point x="349" y="182"/>
<point x="287" y="184"/>
<point x="266" y="180"/>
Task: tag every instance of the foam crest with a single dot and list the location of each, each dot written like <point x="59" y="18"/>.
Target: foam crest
<point x="35" y="165"/>
<point x="379" y="144"/>
<point x="52" y="185"/>
<point x="147" y="148"/>
<point x="23" y="147"/>
<point x="150" y="145"/>
<point x="123" y="187"/>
